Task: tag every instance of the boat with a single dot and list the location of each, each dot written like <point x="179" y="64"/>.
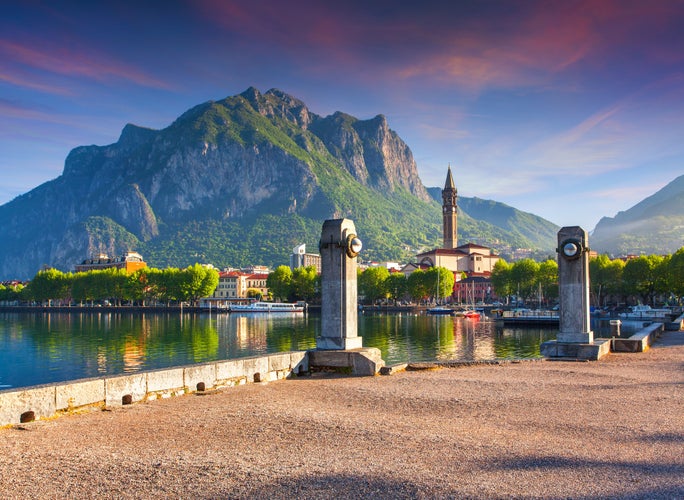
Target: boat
<point x="646" y="312"/>
<point x="443" y="310"/>
<point x="522" y="316"/>
<point x="471" y="314"/>
<point x="267" y="307"/>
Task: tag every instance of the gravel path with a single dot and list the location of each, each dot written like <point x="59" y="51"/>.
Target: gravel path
<point x="607" y="429"/>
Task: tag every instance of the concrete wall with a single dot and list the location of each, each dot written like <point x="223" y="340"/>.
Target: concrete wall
<point x="641" y="341"/>
<point x="52" y="400"/>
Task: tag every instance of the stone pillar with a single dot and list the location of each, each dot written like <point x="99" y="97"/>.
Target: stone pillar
<point x="573" y="282"/>
<point x="339" y="247"/>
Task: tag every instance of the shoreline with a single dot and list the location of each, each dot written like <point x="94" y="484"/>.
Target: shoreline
<point x="609" y="428"/>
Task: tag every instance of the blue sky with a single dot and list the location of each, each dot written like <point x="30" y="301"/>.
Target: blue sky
<point x="571" y="110"/>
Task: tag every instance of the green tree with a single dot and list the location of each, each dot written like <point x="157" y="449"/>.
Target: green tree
<point x="397" y="286"/>
<point x="115" y="283"/>
<point x="547" y="279"/>
<point x="194" y="282"/>
<point x="48" y="285"/>
<point x="305" y="283"/>
<point x="675" y="273"/>
<point x="372" y="284"/>
<point x="279" y="283"/>
<point x="439" y="282"/>
<point x="524" y="278"/>
<point x="502" y="279"/>
<point x="417" y="285"/>
<point x="643" y="277"/>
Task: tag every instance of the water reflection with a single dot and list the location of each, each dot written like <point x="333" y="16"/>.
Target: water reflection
<point x="50" y="347"/>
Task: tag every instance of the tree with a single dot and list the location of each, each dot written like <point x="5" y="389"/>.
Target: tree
<point x="372" y="284"/>
<point x="524" y="277"/>
<point x="441" y="282"/>
<point x="502" y="279"/>
<point x="279" y="283"/>
<point x="48" y="285"/>
<point x="547" y="279"/>
<point x="417" y="285"/>
<point x="397" y="286"/>
<point x="194" y="282"/>
<point x="643" y="276"/>
<point x="676" y="273"/>
<point x="305" y="282"/>
<point x="605" y="276"/>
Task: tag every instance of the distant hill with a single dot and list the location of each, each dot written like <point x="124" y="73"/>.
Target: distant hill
<point x="239" y="181"/>
<point x="652" y="226"/>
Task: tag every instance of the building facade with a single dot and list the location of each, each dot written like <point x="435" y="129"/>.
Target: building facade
<point x="130" y="262"/>
<point x="300" y="258"/>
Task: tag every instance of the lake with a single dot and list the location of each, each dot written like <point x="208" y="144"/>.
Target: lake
<point x="40" y="348"/>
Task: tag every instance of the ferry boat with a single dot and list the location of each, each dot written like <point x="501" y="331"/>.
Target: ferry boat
<point x="529" y="317"/>
<point x="267" y="307"/>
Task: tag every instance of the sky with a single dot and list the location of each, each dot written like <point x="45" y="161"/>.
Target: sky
<point x="571" y="110"/>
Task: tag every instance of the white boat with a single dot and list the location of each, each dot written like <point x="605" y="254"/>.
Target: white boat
<point x="267" y="307"/>
<point x="646" y="312"/>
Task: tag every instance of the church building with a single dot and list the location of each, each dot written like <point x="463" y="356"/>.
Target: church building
<point x="474" y="260"/>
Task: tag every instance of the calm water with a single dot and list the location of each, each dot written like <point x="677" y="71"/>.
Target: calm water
<point x="52" y="347"/>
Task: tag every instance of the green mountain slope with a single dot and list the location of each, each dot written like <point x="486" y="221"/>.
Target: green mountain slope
<point x="653" y="226"/>
<point x="235" y="182"/>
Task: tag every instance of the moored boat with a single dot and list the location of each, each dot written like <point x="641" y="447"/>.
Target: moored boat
<point x="445" y="311"/>
<point x="471" y="314"/>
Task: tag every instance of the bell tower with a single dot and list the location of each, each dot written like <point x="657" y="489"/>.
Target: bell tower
<point x="449" y="213"/>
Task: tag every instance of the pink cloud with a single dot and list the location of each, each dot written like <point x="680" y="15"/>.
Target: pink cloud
<point x="23" y="62"/>
<point x="529" y="43"/>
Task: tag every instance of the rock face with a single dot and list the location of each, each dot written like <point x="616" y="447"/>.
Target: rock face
<point x="228" y="160"/>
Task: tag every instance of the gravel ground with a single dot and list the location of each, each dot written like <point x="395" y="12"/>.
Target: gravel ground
<point x="545" y="429"/>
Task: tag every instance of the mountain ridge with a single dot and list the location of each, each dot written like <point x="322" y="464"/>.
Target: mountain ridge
<point x="230" y="182"/>
<point x="652" y="226"/>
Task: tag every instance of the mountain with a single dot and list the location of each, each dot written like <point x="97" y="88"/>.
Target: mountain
<point x="653" y="226"/>
<point x="232" y="182"/>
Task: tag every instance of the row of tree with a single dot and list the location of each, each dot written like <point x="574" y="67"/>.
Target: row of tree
<point x="374" y="284"/>
<point x="377" y="283"/>
<point x="649" y="278"/>
<point x="646" y="278"/>
<point x="612" y="281"/>
<point x="147" y="285"/>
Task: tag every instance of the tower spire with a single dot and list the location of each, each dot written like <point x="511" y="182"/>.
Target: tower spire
<point x="449" y="184"/>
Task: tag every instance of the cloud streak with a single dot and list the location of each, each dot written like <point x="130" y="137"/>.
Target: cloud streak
<point x="33" y="65"/>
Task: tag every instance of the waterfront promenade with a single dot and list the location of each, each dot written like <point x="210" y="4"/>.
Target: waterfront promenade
<point x="545" y="429"/>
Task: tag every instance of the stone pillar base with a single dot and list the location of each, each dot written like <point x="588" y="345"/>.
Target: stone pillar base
<point x="341" y="343"/>
<point x="572" y="350"/>
<point x="575" y="337"/>
<point x="364" y="361"/>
